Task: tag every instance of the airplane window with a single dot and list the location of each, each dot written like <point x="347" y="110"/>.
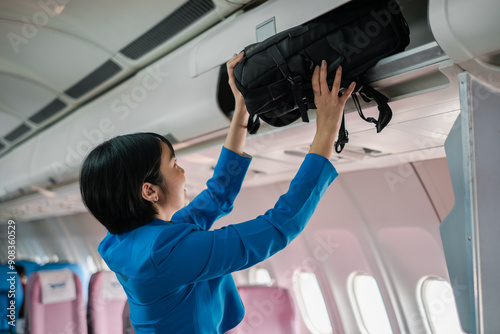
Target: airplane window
<point x="104" y="266"/>
<point x="91" y="265"/>
<point x="311" y="303"/>
<point x="259" y="276"/>
<point x="439" y="306"/>
<point x="368" y="305"/>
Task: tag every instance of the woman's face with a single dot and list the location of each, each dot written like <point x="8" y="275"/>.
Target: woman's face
<point x="174" y="182"/>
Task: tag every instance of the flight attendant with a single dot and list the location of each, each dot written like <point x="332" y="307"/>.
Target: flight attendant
<point x="175" y="271"/>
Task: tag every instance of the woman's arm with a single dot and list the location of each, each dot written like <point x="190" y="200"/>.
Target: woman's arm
<point x="217" y="199"/>
<point x="235" y="140"/>
<point x="222" y="188"/>
<point x="202" y="255"/>
<point x="235" y="247"/>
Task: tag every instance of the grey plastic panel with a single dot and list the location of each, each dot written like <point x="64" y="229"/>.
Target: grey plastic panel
<point x="470" y="232"/>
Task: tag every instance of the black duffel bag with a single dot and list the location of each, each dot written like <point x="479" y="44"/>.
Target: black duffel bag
<point x="274" y="76"/>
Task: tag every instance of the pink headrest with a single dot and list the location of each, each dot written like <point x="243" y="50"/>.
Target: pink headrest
<point x="268" y="310"/>
<point x="106" y="302"/>
<point x="54" y="303"/>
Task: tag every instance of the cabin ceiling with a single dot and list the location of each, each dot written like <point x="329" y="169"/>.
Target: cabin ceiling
<point x="40" y="82"/>
<point x="57" y="55"/>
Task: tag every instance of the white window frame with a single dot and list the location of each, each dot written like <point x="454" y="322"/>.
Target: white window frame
<point x="302" y="305"/>
<point x="252" y="276"/>
<point x="355" y="305"/>
<point x="429" y="328"/>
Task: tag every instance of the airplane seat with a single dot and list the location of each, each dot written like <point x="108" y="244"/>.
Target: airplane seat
<point x="268" y="310"/>
<point x="9" y="313"/>
<point x="55" y="303"/>
<point x="127" y="324"/>
<point x="83" y="275"/>
<point x="106" y="303"/>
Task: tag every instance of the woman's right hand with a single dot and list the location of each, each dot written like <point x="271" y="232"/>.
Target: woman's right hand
<point x="329" y="109"/>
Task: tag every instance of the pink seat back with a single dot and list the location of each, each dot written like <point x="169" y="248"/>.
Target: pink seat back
<point x="127" y="324"/>
<point x="43" y="316"/>
<point x="106" y="302"/>
<point x="268" y="310"/>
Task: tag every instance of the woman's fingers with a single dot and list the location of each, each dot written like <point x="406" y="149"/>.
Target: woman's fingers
<point x="233" y="62"/>
<point x="230" y="71"/>
<point x="320" y="85"/>
<point x="336" y="81"/>
<point x="322" y="78"/>
<point x="348" y="92"/>
<point x="315" y="82"/>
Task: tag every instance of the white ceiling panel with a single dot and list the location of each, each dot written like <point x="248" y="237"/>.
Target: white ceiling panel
<point x="392" y="140"/>
<point x="270" y="166"/>
<point x="54" y="58"/>
<point x="33" y="95"/>
<point x="112" y="24"/>
<point x="437" y="126"/>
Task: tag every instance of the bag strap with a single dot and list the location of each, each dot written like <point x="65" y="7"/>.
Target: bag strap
<point x="385" y="113"/>
<point x="295" y="81"/>
<point x="360" y="112"/>
<point x="343" y="136"/>
<point x="253" y="124"/>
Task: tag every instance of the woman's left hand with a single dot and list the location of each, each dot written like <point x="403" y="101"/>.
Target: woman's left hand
<point x="235" y="140"/>
<point x="239" y="101"/>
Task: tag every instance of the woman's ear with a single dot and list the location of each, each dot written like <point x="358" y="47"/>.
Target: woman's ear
<point x="149" y="192"/>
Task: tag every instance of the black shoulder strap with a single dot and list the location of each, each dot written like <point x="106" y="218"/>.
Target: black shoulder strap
<point x="343" y="136"/>
<point x="385" y="112"/>
<point x="253" y="124"/>
<point x="295" y="81"/>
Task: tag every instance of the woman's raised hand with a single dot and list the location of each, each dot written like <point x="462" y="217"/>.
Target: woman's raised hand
<point x="329" y="109"/>
<point x="235" y="140"/>
<point x="230" y="72"/>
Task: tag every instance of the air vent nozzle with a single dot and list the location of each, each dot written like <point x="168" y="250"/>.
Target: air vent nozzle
<point x="17" y="132"/>
<point x="94" y="79"/>
<point x="49" y="110"/>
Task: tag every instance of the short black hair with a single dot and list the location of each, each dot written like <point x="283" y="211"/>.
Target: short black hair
<point x="112" y="176"/>
<point x="20" y="270"/>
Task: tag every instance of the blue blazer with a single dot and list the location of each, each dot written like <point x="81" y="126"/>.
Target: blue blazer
<point x="177" y="274"/>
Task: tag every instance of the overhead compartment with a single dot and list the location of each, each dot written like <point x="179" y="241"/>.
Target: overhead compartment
<point x="239" y="30"/>
<point x="468" y="31"/>
<point x="422" y="68"/>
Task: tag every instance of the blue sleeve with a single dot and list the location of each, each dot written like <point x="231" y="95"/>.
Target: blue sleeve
<point x="202" y="255"/>
<point x="217" y="199"/>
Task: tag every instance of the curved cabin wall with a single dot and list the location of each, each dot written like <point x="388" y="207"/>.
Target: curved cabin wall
<point x="365" y="223"/>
